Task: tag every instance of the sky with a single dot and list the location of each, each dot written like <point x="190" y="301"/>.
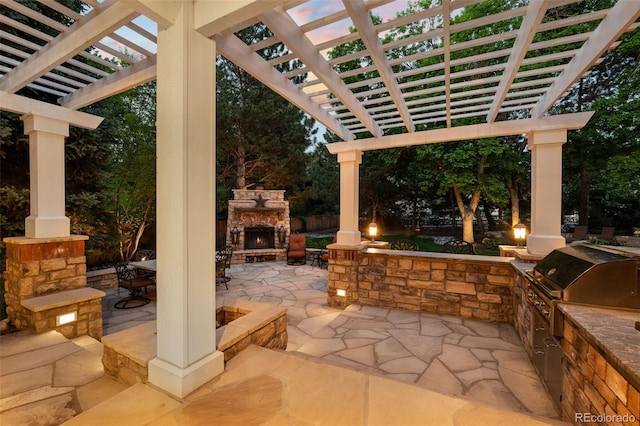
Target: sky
<point x="302" y="14"/>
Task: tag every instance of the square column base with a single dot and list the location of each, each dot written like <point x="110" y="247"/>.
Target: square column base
<point x="47" y="227"/>
<point x="542" y="245"/>
<point x="180" y="382"/>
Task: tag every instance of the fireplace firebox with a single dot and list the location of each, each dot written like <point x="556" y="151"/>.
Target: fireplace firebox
<point x="260" y="237"/>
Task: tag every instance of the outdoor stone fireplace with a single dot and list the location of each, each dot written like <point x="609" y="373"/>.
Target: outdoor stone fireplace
<point x="255" y="216"/>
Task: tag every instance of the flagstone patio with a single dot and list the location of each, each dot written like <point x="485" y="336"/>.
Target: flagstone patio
<point x="477" y="363"/>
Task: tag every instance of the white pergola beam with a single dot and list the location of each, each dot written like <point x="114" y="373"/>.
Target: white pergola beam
<point x="239" y="53"/>
<point x="281" y="24"/>
<point x="214" y="17"/>
<point x="121" y="81"/>
<point x="26" y="106"/>
<point x="532" y="19"/>
<point x="97" y="24"/>
<point x="360" y="17"/>
<point x="477" y="131"/>
<point x="162" y="12"/>
<point x="623" y="14"/>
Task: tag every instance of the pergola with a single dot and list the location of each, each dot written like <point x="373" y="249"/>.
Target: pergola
<point x="403" y="95"/>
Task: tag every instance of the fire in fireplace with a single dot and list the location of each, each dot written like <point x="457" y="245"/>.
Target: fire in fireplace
<point x="262" y="237"/>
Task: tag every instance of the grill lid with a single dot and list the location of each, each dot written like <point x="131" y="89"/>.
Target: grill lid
<point x="586" y="274"/>
<point x="565" y="265"/>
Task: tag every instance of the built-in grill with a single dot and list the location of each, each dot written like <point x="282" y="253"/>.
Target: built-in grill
<point x="574" y="274"/>
<point x="584" y="274"/>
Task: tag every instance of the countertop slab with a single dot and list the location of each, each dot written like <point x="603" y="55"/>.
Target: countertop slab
<point x="613" y="332"/>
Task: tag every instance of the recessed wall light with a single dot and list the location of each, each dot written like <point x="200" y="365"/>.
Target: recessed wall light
<point x="66" y="318"/>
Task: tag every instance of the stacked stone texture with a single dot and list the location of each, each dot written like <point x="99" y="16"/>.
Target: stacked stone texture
<point x="592" y="385"/>
<point x="481" y="289"/>
<point x="44" y="267"/>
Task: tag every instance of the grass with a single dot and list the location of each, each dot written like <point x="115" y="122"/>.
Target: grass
<point x="489" y="247"/>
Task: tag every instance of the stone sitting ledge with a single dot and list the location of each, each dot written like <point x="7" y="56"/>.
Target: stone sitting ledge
<point x="84" y="301"/>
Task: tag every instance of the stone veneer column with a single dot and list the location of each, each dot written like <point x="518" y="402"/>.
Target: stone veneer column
<point x="546" y="191"/>
<point x="342" y="274"/>
<point x="45" y="266"/>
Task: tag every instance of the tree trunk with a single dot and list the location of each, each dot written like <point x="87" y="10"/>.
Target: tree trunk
<point x="515" y="201"/>
<point x="241" y="169"/>
<point x="584" y="196"/>
<point x="491" y="223"/>
<point x="467" y="212"/>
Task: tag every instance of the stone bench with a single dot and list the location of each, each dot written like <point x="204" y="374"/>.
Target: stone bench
<point x="127" y="353"/>
<point x="85" y="302"/>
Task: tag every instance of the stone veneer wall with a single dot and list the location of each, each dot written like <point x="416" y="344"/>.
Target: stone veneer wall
<point x="103" y="279"/>
<point x="44" y="266"/>
<point x="468" y="286"/>
<point x="591" y="384"/>
<point x="244" y="212"/>
<point x="523" y="316"/>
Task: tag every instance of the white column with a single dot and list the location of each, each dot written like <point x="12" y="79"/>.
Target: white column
<point x="349" y="233"/>
<point x="46" y="167"/>
<point x="546" y="191"/>
<point x="186" y="348"/>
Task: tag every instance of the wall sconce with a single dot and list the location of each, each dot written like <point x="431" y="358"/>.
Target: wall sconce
<point x="66" y="318"/>
<point x="519" y="233"/>
<point x="341" y="292"/>
<point x="235" y="236"/>
<point x="282" y="234"/>
<point x="373" y="230"/>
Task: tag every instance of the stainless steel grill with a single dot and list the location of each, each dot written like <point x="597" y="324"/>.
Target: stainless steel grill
<point x="574" y="274"/>
<point x="590" y="275"/>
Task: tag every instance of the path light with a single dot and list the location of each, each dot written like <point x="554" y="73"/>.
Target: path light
<point x="282" y="234"/>
<point x="373" y="230"/>
<point x="66" y="318"/>
<point x="519" y="233"/>
<point x="235" y="235"/>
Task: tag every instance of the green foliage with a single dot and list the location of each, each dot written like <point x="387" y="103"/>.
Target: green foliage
<point x="320" y="190"/>
<point x="260" y="136"/>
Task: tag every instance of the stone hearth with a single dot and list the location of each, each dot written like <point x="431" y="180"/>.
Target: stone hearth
<point x="257" y="214"/>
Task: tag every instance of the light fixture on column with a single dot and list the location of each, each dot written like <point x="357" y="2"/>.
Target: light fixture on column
<point x="341" y="292"/>
<point x="373" y="230"/>
<point x="282" y="234"/>
<point x="519" y="233"/>
<point x="235" y="236"/>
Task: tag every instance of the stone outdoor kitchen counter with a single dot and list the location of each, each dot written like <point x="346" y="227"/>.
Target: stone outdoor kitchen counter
<point x="612" y="331"/>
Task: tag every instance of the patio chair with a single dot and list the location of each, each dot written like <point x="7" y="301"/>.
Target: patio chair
<point x="404" y="245"/>
<point x="324" y="254"/>
<point x="129" y="279"/>
<point x="222" y="259"/>
<point x="145" y="254"/>
<point x="458" y="247"/>
<point x="140" y="256"/>
<point x="579" y="233"/>
<point x="296" y="250"/>
<point x="607" y="235"/>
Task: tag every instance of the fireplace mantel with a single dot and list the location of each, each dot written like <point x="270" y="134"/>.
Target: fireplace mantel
<point x="258" y="208"/>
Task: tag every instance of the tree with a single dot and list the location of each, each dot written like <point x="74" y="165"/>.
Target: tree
<point x="260" y="136"/>
<point x="321" y="185"/>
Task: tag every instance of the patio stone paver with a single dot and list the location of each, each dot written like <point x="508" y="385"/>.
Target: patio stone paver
<point x="464" y="357"/>
<point x="481" y="362"/>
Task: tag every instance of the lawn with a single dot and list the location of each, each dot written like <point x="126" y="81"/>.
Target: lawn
<point x="487" y="246"/>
